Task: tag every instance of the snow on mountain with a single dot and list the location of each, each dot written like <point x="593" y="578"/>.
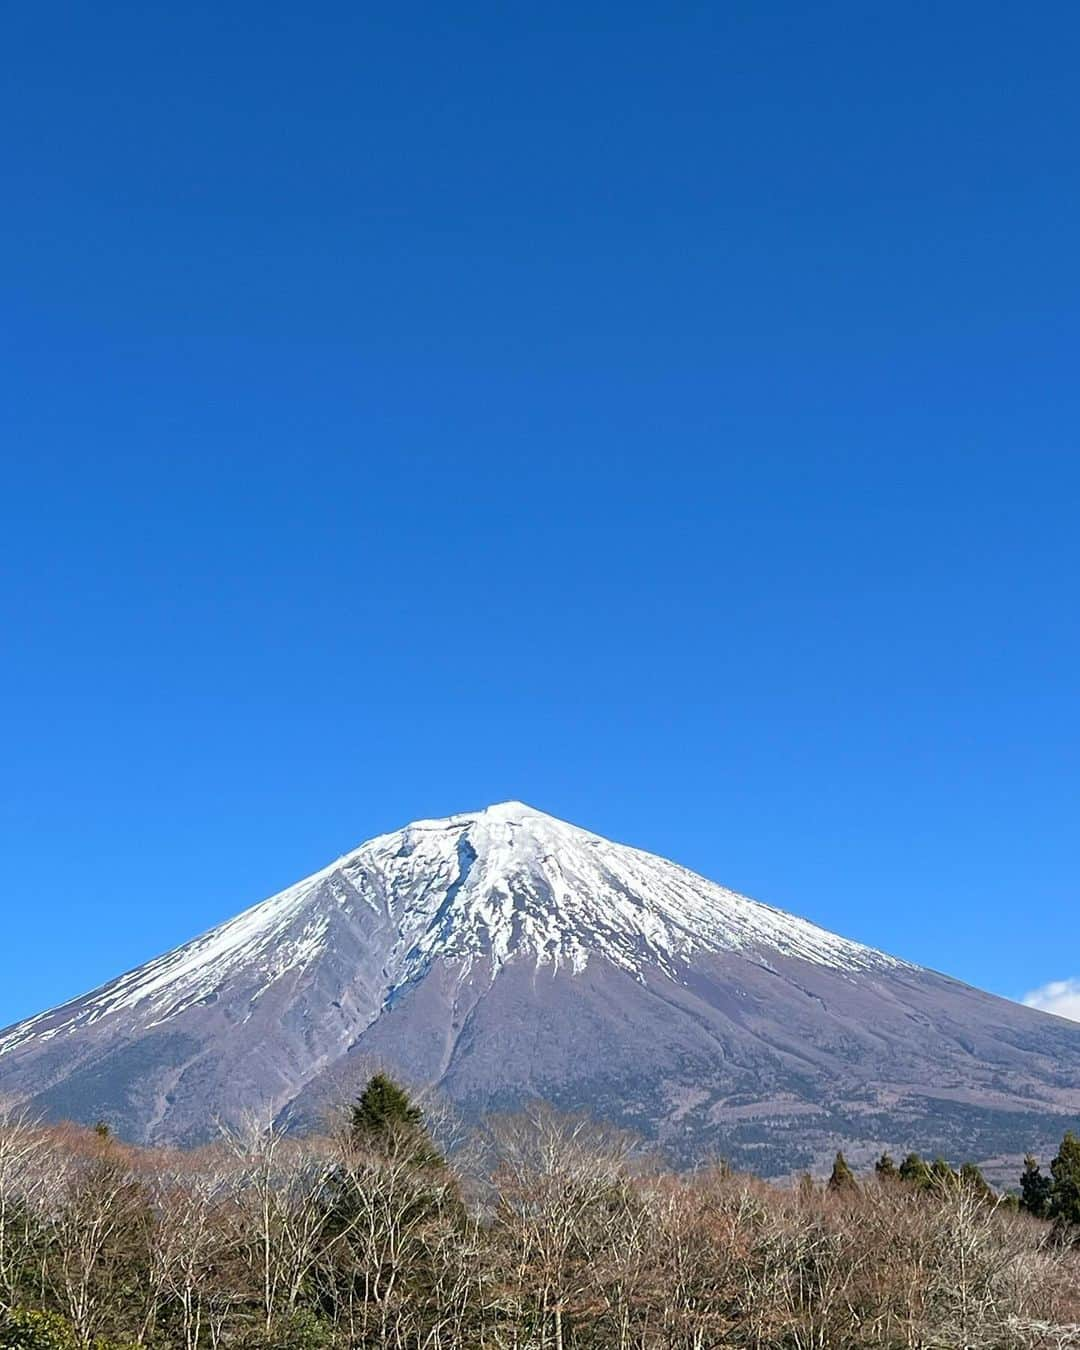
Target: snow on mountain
<point x="504" y="955"/>
<point x="526" y="883"/>
<point x="503" y="883"/>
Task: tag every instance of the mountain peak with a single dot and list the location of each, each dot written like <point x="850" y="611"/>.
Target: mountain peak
<point x="517" y="814"/>
<point x="513" y="813"/>
<point x="476" y="891"/>
<point x="506" y="954"/>
<point x="525" y="883"/>
<point x="513" y="810"/>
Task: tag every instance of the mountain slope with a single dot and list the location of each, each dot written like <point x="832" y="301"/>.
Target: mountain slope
<point x="505" y="955"/>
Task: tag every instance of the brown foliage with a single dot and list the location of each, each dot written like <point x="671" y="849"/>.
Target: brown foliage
<point x="565" y="1238"/>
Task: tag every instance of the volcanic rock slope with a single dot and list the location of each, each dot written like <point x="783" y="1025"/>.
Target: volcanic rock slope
<point x="504" y="957"/>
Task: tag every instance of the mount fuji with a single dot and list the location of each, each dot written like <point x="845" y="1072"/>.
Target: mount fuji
<point x="505" y="956"/>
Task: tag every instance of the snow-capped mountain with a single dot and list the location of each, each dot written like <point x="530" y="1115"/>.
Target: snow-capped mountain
<point x="505" y="955"/>
<point x="504" y="883"/>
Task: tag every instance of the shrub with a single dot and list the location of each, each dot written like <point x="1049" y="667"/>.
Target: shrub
<point x="28" y="1329"/>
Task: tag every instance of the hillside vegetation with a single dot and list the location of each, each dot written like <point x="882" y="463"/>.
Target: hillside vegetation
<point x="543" y="1233"/>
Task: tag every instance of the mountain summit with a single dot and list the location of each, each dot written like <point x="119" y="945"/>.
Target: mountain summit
<point x="506" y="955"/>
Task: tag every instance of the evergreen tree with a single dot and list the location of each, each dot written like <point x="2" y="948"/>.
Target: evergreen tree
<point x="916" y="1173"/>
<point x="941" y="1174"/>
<point x="1035" y="1189"/>
<point x="842" y="1178"/>
<point x="971" y="1177"/>
<point x="385" y="1119"/>
<point x="1065" y="1189"/>
<point x="383" y="1106"/>
<point x="885" y="1167"/>
<point x="387" y="1130"/>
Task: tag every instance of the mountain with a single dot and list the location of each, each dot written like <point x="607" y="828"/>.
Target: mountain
<point x="505" y="956"/>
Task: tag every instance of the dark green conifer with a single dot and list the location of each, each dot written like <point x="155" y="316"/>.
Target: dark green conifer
<point x="842" y="1178"/>
<point x="386" y="1120"/>
<point x="970" y="1176"/>
<point x="1035" y="1189"/>
<point x="1065" y="1189"/>
<point x="885" y="1167"/>
<point x="916" y="1173"/>
<point x="941" y="1174"/>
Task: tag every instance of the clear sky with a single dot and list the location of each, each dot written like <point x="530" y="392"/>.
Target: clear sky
<point x="663" y="414"/>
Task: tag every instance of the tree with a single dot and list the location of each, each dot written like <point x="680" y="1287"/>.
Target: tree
<point x="381" y="1106"/>
<point x="1035" y="1189"/>
<point x="575" y="1241"/>
<point x="971" y="1177"/>
<point x="30" y="1170"/>
<point x="280" y="1192"/>
<point x="916" y="1173"/>
<point x="96" y="1258"/>
<point x="385" y="1119"/>
<point x="885" y="1168"/>
<point x="941" y="1174"/>
<point x="1065" y="1190"/>
<point x="566" y="1209"/>
<point x="842" y="1178"/>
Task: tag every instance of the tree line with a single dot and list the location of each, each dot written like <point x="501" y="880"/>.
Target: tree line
<point x="540" y="1232"/>
<point x="1055" y="1197"/>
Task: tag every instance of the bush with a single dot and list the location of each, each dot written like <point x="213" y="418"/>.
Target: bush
<point x="26" y="1329"/>
<point x="301" y="1330"/>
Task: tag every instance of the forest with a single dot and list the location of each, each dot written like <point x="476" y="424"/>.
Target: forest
<point x="535" y="1232"/>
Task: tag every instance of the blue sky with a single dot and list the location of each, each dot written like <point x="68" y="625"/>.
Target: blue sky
<point x="666" y="415"/>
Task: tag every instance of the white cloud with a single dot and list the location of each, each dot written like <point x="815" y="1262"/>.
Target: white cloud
<point x="1059" y="996"/>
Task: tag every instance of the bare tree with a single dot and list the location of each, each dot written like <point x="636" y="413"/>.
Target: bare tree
<point x="566" y="1239"/>
<point x="195" y="1239"/>
<point x="97" y="1240"/>
<point x="279" y="1190"/>
<point x="29" y="1172"/>
<point x="564" y="1191"/>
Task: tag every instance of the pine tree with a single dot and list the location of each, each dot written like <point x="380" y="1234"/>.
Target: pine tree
<point x="1035" y="1189"/>
<point x="385" y="1119"/>
<point x="382" y="1106"/>
<point x="1065" y="1189"/>
<point x="885" y="1168"/>
<point x="971" y="1177"/>
<point x="842" y="1178"/>
<point x="916" y="1173"/>
<point x="941" y="1174"/>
